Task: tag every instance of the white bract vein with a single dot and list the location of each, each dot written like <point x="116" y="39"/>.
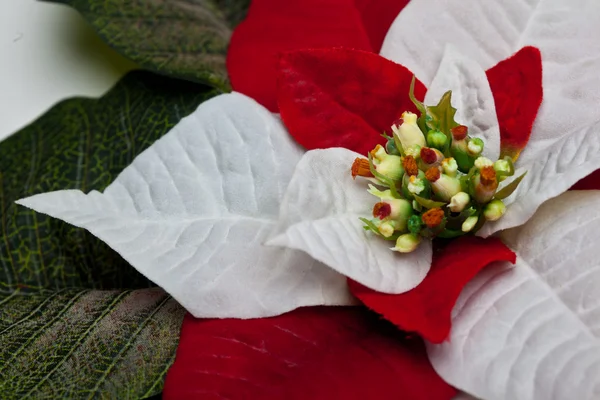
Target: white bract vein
<point x="532" y="331"/>
<point x="192" y="213"/>
<point x="471" y="96"/>
<point x="320" y="215"/>
<point x="563" y="147"/>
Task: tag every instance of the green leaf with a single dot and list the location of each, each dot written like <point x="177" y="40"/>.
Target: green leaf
<point x="421" y="121"/>
<point x="442" y="115"/>
<point x="62" y="333"/>
<point x="509" y="189"/>
<point x="80" y="144"/>
<point x="184" y="39"/>
<point x="427" y="203"/>
<point x="80" y="344"/>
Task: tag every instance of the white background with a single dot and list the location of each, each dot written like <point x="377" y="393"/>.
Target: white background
<point x="49" y="53"/>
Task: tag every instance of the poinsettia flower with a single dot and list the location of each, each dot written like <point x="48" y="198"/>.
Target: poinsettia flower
<point x="193" y="212"/>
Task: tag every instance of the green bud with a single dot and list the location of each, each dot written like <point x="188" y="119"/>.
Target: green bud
<point x="386" y="228"/>
<point x="415" y="223"/>
<point x="414" y="151"/>
<point x="391" y="148"/>
<point x="401" y="211"/>
<point x="387" y="165"/>
<point x="437" y="139"/>
<point x="494" y="210"/>
<point x="504" y="168"/>
<point x="458" y="150"/>
<point x="416" y="185"/>
<point x="459" y="201"/>
<point x="450" y="166"/>
<point x="475" y="147"/>
<point x="469" y="223"/>
<point x="445" y="186"/>
<point x="407" y="243"/>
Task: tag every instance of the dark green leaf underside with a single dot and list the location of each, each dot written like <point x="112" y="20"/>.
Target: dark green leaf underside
<point x="180" y="38"/>
<point x="80" y="144"/>
<point x="84" y="344"/>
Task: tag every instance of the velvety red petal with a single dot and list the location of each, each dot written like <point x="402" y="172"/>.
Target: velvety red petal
<point x="516" y="84"/>
<point x="426" y="309"/>
<point x="377" y="17"/>
<point x="274" y="26"/>
<point x="342" y="97"/>
<point x="311" y="353"/>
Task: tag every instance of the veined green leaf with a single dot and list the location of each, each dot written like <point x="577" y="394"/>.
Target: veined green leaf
<point x="509" y="189"/>
<point x="442" y="115"/>
<point x="62" y="334"/>
<point x="80" y="344"/>
<point x="183" y="39"/>
<point x="80" y="144"/>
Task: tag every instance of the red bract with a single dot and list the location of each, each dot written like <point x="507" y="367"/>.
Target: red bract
<point x="377" y="17"/>
<point x="342" y="97"/>
<point x="312" y="353"/>
<point x="426" y="309"/>
<point x="516" y="84"/>
<point x="590" y="182"/>
<point x="274" y="26"/>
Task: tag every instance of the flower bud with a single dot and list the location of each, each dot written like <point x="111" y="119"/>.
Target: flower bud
<point x="443" y="186"/>
<point x="416" y="185"/>
<point x="475" y="147"/>
<point x="414" y="151"/>
<point x="459" y="201"/>
<point x="469" y="223"/>
<point x="450" y="166"/>
<point x="437" y="139"/>
<point x="387" y="228"/>
<point x="387" y="165"/>
<point x="430" y="157"/>
<point x="391" y="148"/>
<point x="458" y="149"/>
<point x="407" y="243"/>
<point x="482" y="162"/>
<point x="408" y="132"/>
<point x="494" y="210"/>
<point x="415" y="223"/>
<point x="504" y="169"/>
<point x="485" y="184"/>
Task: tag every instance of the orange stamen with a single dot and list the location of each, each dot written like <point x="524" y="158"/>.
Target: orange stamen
<point x="433" y="218"/>
<point x="360" y="167"/>
<point x="459" y="132"/>
<point x="410" y="165"/>
<point x="432" y="174"/>
<point x="382" y="210"/>
<point x="488" y="177"/>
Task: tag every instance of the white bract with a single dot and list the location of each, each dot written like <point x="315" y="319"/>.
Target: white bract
<point x="192" y="213"/>
<point x="320" y="215"/>
<point x="564" y="142"/>
<point x="532" y="330"/>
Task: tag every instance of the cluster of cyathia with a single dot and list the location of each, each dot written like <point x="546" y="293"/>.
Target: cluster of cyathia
<point x="434" y="180"/>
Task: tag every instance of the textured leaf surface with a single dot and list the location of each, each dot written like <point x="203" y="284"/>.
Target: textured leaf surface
<point x="531" y="331"/>
<point x="61" y="337"/>
<point x="79" y="344"/>
<point x="183" y="38"/>
<point x="311" y="353"/>
<point x="192" y="213"/>
<point x="471" y="96"/>
<point x="79" y="144"/>
<point x="320" y="215"/>
<point x="563" y="145"/>
<point x="426" y="309"/>
<point x="322" y="107"/>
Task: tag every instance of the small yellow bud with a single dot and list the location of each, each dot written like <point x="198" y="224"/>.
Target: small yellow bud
<point x="494" y="210"/>
<point x="409" y="132"/>
<point x="470" y="223"/>
<point x="407" y="243"/>
<point x="459" y="201"/>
